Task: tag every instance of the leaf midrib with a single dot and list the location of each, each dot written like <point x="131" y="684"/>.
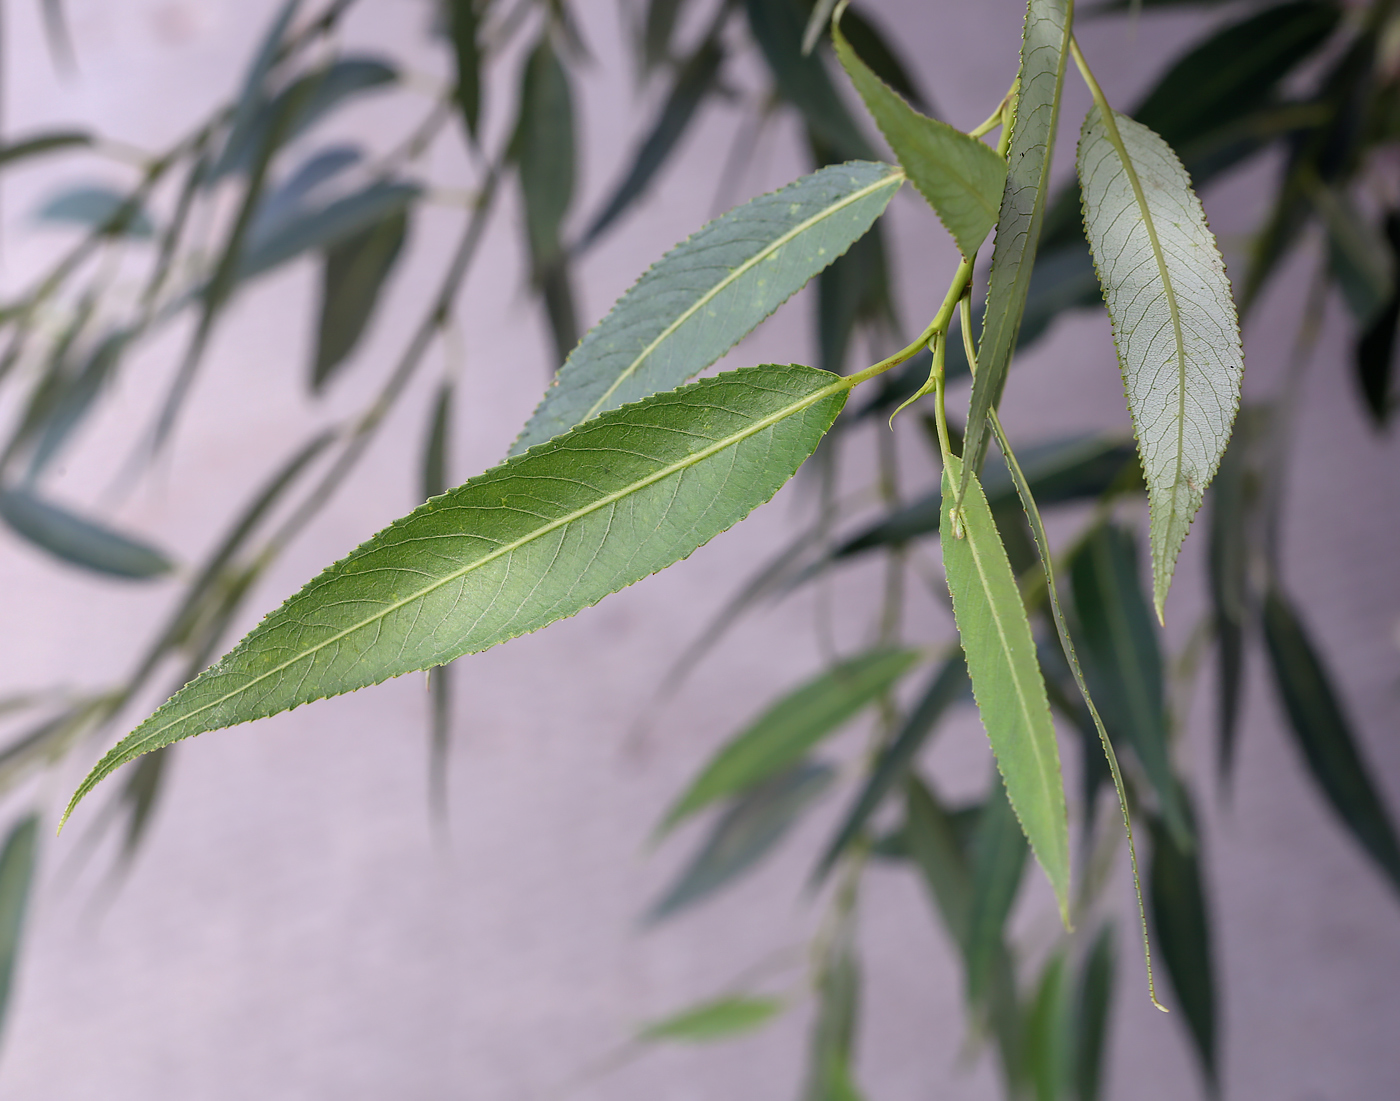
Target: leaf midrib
<point x="896" y="176"/>
<point x="578" y="514"/>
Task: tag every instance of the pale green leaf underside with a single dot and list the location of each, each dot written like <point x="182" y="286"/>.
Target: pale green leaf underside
<point x="962" y="178"/>
<point x="1044" y="53"/>
<point x="789" y="728"/>
<point x="707" y="293"/>
<point x="531" y="541"/>
<point x="1173" y="316"/>
<point x="1006" y="678"/>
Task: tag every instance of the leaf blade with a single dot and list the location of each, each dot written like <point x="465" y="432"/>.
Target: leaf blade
<point x="79" y="541"/>
<point x="715" y="1020"/>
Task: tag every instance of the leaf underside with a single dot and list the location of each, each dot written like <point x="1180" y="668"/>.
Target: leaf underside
<point x="1174" y="320"/>
<point x="531" y="541"/>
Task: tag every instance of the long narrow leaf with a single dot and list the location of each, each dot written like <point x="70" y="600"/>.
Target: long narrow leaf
<point x="998" y="861"/>
<point x="82" y="542"/>
<point x="16" y="875"/>
<point x="710" y="291"/>
<point x="534" y="540"/>
<point x="1006" y="679"/>
<point x="716" y="1020"/>
<point x="1094" y="998"/>
<point x="353" y="276"/>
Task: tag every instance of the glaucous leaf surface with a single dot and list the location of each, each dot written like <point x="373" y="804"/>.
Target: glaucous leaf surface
<point x="352" y="277"/>
<point x="710" y="291"/>
<point x="79" y="541"/>
<point x="716" y="1020"/>
<point x="1173" y="317"/>
<point x="1044" y="54"/>
<point x="785" y="732"/>
<point x="1006" y="678"/>
<point x="1050" y="1032"/>
<point x="961" y="177"/>
<point x="536" y="539"/>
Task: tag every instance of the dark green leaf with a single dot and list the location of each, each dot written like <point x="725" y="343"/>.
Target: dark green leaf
<point x="435" y="480"/>
<point x="1360" y="258"/>
<point x="43" y="143"/>
<point x="98" y="208"/>
<point x="463" y="25"/>
<point x="802" y="79"/>
<point x="1182" y="927"/>
<point x="695" y="80"/>
<point x="932" y="840"/>
<point x="747" y="831"/>
<point x="81" y="542"/>
<point x="1230" y="519"/>
<point x="1091" y="1017"/>
<point x="716" y="1020"/>
<point x="557" y="290"/>
<point x="536" y="539"/>
<point x="543" y="147"/>
<point x="658" y="30"/>
<point x="1123" y="662"/>
<point x="1375" y="349"/>
<point x="998" y="859"/>
<point x="324" y="226"/>
<point x="352" y="278"/>
<point x="787" y="730"/>
<point x="855" y="289"/>
<point x="1044" y="54"/>
<point x="1049" y="1033"/>
<point x="16" y="877"/>
<point x="948" y="687"/>
<point x="1323" y="733"/>
<point x="961" y="177"/>
<point x="711" y="290"/>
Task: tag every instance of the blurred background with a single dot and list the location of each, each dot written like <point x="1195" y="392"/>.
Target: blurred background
<point x="294" y="924"/>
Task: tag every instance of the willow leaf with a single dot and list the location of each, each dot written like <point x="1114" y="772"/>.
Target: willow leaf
<point x="1173" y="318"/>
<point x="716" y="1020"/>
<point x="1006" y="678"/>
<point x="16" y="877"/>
<point x="961" y="177"/>
<point x="710" y="291"/>
<point x="1044" y="53"/>
<point x="531" y="541"/>
<point x="75" y="539"/>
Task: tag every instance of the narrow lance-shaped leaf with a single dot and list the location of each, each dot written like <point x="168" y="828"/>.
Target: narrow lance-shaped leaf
<point x="1049" y="1033"/>
<point x="1323" y="733"/>
<point x="536" y="539"/>
<point x="82" y="542"/>
<point x="352" y="277"/>
<point x="1044" y="53"/>
<point x="1006" y="678"/>
<point x="784" y="733"/>
<point x="463" y="22"/>
<point x="716" y="1020"/>
<point x="1095" y="995"/>
<point x="16" y="875"/>
<point x="1375" y="349"/>
<point x="998" y="861"/>
<point x="710" y="291"/>
<point x="961" y="177"/>
<point x="543" y="147"/>
<point x="1173" y="319"/>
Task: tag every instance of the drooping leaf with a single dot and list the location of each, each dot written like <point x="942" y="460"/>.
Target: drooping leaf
<point x="252" y="95"/>
<point x="536" y="539"/>
<point x="76" y="401"/>
<point x="1182" y="925"/>
<point x="1323" y="733"/>
<point x="16" y="876"/>
<point x="99" y="208"/>
<point x="787" y="730"/>
<point x="948" y="687"/>
<point x="1094" y="998"/>
<point x="658" y="30"/>
<point x="833" y="1034"/>
<point x="1173" y="320"/>
<point x="802" y="79"/>
<point x="463" y="25"/>
<point x="748" y="830"/>
<point x="557" y="290"/>
<point x="46" y="142"/>
<point x="708" y="292"/>
<point x="1230" y="519"/>
<point x="543" y="148"/>
<point x="1006" y="679"/>
<point x="854" y="290"/>
<point x="1044" y="54"/>
<point x="1361" y="260"/>
<point x="716" y="1020"/>
<point x="695" y="80"/>
<point x="1375" y="349"/>
<point x="353" y="275"/>
<point x="1050" y="1033"/>
<point x="933" y="844"/>
<point x="961" y="177"/>
<point x="82" y="542"/>
<point x="998" y="859"/>
<point x="1123" y="660"/>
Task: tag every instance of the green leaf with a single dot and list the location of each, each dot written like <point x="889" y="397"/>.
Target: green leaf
<point x="802" y="79"/>
<point x="875" y="50"/>
<point x="1375" y="348"/>
<point x="787" y="730"/>
<point x="435" y="480"/>
<point x="76" y="400"/>
<point x="1006" y="679"/>
<point x="16" y="877"/>
<point x="1091" y="1017"/>
<point x="854" y="290"/>
<point x="838" y="1008"/>
<point x="536" y="539"/>
<point x="695" y="80"/>
<point x="1049" y="1033"/>
<point x="1044" y="53"/>
<point x="716" y="1020"/>
<point x="1182" y="926"/>
<point x="1361" y="261"/>
<point x="81" y="542"/>
<point x="463" y="25"/>
<point x="98" y="208"/>
<point x="934" y="846"/>
<point x="1173" y="320"/>
<point x="710" y="291"/>
<point x="1323" y="733"/>
<point x="1228" y="564"/>
<point x="998" y="859"/>
<point x="252" y="95"/>
<point x="747" y="831"/>
<point x="46" y="142"/>
<point x="543" y="147"/>
<point x="353" y="275"/>
<point x="961" y="177"/>
<point x="948" y="687"/>
<point x="1123" y="660"/>
<point x="658" y="30"/>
